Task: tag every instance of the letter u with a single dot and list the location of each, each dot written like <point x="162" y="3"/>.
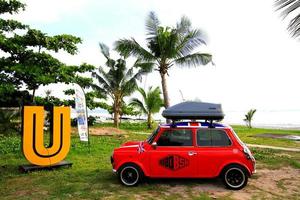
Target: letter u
<point x="33" y="135"/>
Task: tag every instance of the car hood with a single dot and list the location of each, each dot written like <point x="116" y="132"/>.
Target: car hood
<point x="131" y="144"/>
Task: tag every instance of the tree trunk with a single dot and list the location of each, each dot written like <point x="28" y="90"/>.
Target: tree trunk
<point x="149" y="121"/>
<point x="33" y="94"/>
<point x="165" y="92"/>
<point x="116" y="119"/>
<point x="117" y="108"/>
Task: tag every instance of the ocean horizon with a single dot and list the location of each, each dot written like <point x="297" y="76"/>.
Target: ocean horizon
<point x="288" y="119"/>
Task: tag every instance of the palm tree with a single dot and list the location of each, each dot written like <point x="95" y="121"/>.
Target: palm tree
<point x="166" y="47"/>
<point x="151" y="103"/>
<point x="290" y="8"/>
<point x="249" y="117"/>
<point x="118" y="82"/>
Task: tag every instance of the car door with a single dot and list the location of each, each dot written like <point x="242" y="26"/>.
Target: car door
<point x="174" y="155"/>
<point x="213" y="148"/>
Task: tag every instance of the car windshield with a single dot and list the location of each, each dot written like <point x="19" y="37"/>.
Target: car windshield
<point x="152" y="136"/>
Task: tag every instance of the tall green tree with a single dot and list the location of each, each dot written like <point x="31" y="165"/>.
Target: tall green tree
<point x="151" y="103"/>
<point x="290" y="8"/>
<point x="118" y="82"/>
<point x="166" y="47"/>
<point x="26" y="57"/>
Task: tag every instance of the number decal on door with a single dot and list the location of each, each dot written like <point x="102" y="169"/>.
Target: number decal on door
<point x="174" y="162"/>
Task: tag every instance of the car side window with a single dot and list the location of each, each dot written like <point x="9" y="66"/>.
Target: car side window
<point x="179" y="137"/>
<point x="203" y="138"/>
<point x="212" y="137"/>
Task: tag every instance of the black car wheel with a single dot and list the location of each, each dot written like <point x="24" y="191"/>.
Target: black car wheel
<point x="235" y="177"/>
<point x="130" y="174"/>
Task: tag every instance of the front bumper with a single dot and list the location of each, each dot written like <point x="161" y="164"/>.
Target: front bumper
<point x="114" y="171"/>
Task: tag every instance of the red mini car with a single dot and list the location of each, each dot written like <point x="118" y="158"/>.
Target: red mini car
<point x="186" y="150"/>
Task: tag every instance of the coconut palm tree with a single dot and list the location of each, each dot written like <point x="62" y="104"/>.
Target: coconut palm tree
<point x="249" y="117"/>
<point x="150" y="104"/>
<point x="290" y="8"/>
<point x="118" y="82"/>
<point x="166" y="47"/>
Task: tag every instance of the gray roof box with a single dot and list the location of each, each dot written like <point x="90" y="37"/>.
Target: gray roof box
<point x="194" y="110"/>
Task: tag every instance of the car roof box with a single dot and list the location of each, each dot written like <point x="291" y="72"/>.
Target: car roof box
<point x="194" y="110"/>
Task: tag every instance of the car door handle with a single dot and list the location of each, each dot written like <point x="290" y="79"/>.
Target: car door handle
<point x="191" y="153"/>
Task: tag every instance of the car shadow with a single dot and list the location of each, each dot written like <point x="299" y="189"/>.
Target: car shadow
<point x="216" y="182"/>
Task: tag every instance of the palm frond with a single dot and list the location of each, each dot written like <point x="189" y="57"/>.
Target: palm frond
<point x="129" y="86"/>
<point x="99" y="90"/>
<point x="104" y="50"/>
<point x="194" y="59"/>
<point x="184" y="25"/>
<point x="152" y="24"/>
<point x="103" y="82"/>
<point x="129" y="47"/>
<point x="190" y="41"/>
<point x="142" y="92"/>
<point x="138" y="104"/>
<point x="290" y="7"/>
<point x="153" y="100"/>
<point x="146" y="66"/>
<point x="110" y="63"/>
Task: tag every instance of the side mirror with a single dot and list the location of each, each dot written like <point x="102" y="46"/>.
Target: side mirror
<point x="154" y="145"/>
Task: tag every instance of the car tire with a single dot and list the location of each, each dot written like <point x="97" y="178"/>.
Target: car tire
<point x="130" y="174"/>
<point x="234" y="177"/>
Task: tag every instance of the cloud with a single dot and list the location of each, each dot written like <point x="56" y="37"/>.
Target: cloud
<point x="40" y="11"/>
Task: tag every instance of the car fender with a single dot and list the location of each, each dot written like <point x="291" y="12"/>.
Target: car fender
<point x="233" y="162"/>
<point x="136" y="162"/>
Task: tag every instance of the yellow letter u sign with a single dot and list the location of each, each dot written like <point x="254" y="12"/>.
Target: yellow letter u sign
<point x="34" y="149"/>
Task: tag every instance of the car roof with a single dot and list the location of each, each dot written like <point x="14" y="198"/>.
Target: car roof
<point x="191" y="124"/>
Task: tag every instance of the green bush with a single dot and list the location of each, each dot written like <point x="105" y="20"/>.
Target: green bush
<point x="9" y="123"/>
<point x="91" y="121"/>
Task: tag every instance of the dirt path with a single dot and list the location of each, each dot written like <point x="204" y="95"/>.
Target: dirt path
<point x="281" y="183"/>
<point x="272" y="147"/>
<point x="103" y="131"/>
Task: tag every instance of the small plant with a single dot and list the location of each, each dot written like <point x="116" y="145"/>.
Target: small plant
<point x="9" y="121"/>
<point x="91" y="120"/>
<point x="249" y="117"/>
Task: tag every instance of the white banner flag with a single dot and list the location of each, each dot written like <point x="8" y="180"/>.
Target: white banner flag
<point x="80" y="107"/>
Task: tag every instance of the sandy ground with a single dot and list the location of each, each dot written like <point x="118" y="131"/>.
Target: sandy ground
<point x="104" y="131"/>
<point x="281" y="183"/>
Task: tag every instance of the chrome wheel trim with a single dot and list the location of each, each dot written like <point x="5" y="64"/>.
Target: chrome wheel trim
<point x="241" y="173"/>
<point x="124" y="181"/>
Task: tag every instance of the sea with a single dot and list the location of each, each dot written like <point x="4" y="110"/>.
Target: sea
<point x="277" y="119"/>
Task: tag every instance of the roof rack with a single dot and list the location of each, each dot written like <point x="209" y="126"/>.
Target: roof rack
<point x="192" y="110"/>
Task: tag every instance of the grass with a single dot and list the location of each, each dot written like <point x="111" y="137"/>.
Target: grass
<point x="91" y="176"/>
<point x="247" y="135"/>
<point x="275" y="159"/>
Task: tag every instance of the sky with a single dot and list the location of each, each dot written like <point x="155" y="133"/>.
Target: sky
<point x="256" y="61"/>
